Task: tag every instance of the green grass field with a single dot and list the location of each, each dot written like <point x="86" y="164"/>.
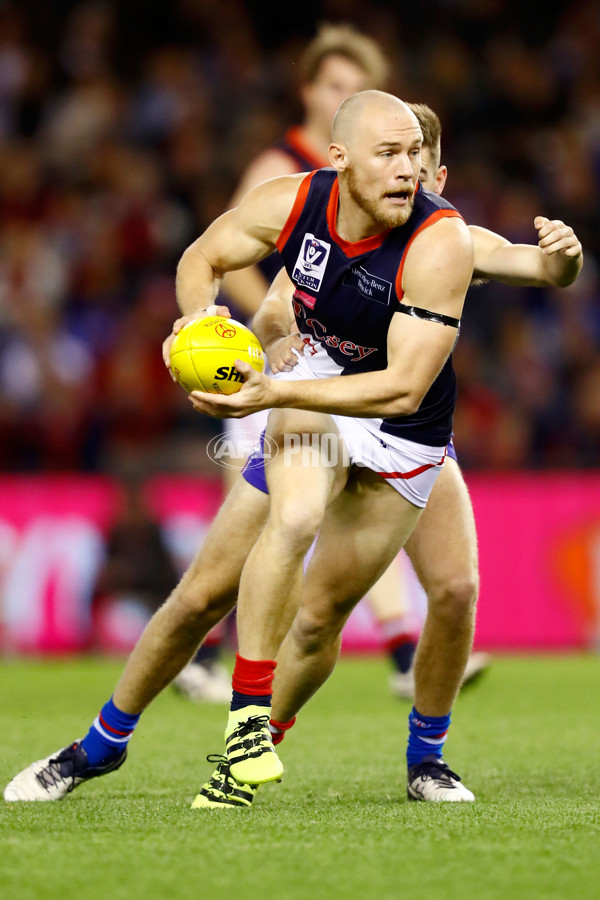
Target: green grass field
<point x="525" y="739"/>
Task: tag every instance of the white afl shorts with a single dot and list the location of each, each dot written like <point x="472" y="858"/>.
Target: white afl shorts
<point x="245" y="433"/>
<point x="410" y="468"/>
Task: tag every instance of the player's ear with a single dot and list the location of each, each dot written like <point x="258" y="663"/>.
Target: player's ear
<point x="338" y="157"/>
<point x="440" y="179"/>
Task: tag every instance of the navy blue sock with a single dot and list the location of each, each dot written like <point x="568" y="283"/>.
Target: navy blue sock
<point x="239" y="700"/>
<point x="426" y="736"/>
<point x="109" y="734"/>
<point x="402" y="654"/>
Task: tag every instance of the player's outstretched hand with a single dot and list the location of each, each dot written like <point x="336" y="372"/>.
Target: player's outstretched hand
<point x="256" y="393"/>
<point x="556" y="237"/>
<point x="212" y="310"/>
<point x="281" y="354"/>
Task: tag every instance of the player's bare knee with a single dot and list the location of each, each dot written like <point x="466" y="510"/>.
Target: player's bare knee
<point x="454" y="600"/>
<point x="296" y="523"/>
<point x="312" y="633"/>
<point x="196" y="603"/>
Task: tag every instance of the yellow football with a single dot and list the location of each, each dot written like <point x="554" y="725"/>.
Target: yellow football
<point x="204" y="352"/>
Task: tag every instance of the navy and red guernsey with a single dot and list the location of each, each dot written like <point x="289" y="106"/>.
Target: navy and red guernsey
<point x="346" y="294"/>
<point x="305" y="160"/>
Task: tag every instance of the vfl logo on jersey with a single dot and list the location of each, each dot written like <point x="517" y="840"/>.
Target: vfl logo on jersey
<point x="312" y="260"/>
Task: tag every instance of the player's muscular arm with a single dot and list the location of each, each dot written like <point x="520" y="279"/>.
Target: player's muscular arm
<point x="556" y="260"/>
<point x="436" y="277"/>
<point x="273" y="322"/>
<point x="238" y="238"/>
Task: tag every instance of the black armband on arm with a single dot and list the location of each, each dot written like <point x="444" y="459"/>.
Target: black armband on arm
<point x="419" y="313"/>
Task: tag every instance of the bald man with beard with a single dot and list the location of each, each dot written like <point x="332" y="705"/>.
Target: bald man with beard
<point x="380" y="270"/>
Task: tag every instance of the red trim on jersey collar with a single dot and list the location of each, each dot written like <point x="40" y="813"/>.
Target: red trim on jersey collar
<point x="294" y="138"/>
<point x="434" y="217"/>
<point x="297" y="208"/>
<point x="350" y="248"/>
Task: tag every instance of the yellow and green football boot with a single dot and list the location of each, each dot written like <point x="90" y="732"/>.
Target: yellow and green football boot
<point x="222" y="791"/>
<point x="249" y="747"/>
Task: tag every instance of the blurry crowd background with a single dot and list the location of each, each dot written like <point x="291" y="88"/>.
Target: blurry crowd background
<point x="124" y="127"/>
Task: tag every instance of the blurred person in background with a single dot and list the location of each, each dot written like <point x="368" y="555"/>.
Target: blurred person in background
<point x="46" y="387"/>
<point x="136" y="575"/>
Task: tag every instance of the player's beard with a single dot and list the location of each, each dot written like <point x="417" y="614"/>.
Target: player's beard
<point x="388" y="217"/>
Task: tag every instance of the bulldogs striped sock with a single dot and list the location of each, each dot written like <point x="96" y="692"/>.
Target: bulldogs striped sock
<point x="109" y="734"/>
<point x="426" y="736"/>
<point x="252" y="682"/>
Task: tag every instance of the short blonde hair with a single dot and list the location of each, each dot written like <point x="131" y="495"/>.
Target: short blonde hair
<point x="432" y="130"/>
<point x="344" y="40"/>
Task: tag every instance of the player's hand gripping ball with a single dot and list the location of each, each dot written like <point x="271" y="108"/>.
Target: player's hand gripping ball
<point x="204" y="352"/>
